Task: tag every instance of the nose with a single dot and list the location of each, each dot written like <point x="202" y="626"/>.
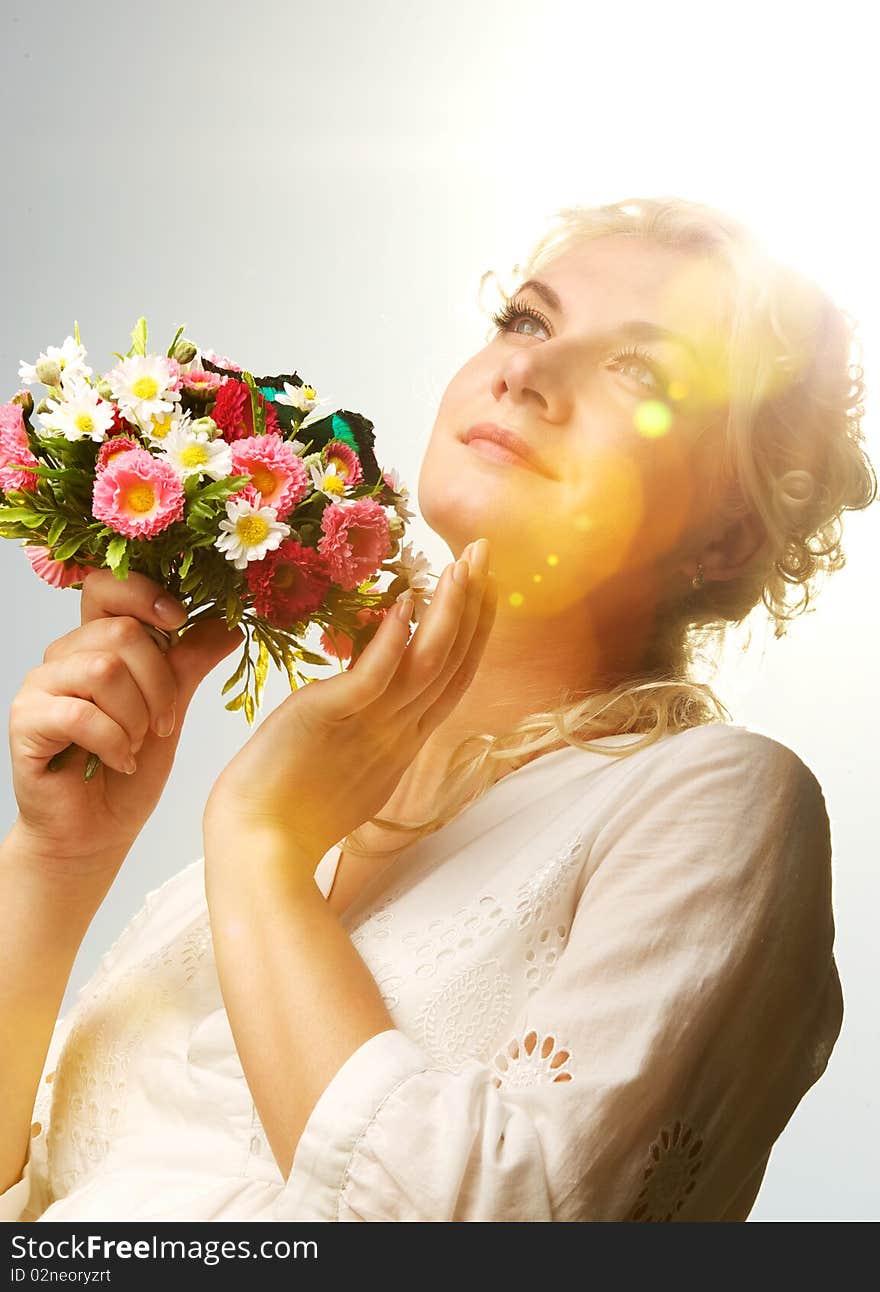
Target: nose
<point x="533" y="382"/>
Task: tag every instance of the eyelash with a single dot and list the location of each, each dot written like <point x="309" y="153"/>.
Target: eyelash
<point x="505" y="317"/>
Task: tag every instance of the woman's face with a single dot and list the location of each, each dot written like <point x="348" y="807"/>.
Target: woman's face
<point x="623" y="489"/>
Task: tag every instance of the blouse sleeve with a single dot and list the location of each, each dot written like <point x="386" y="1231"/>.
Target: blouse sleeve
<point x="694" y="1004"/>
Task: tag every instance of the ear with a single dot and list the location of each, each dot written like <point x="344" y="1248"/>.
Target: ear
<point x="727" y="556"/>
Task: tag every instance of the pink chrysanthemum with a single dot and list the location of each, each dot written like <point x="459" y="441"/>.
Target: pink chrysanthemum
<point x="356" y="540"/>
<point x="138" y="495"/>
<point x="200" y="382"/>
<point x="339" y="644"/>
<point x="233" y="414"/>
<point x="61" y="574"/>
<point x="176" y="374"/>
<point x="219" y="360"/>
<point x="289" y="583"/>
<point x="110" y="448"/>
<point x="347" y="462"/>
<point x="14" y="447"/>
<point x="276" y="471"/>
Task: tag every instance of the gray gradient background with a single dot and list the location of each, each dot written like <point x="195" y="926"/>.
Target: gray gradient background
<point x="320" y="187"/>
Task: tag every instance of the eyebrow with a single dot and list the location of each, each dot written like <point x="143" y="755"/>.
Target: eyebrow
<point x="641" y="329"/>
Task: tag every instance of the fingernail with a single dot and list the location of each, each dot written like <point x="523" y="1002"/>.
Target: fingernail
<point x="165" y="723"/>
<point x="404" y="608"/>
<point x="169" y="610"/>
<point x="460" y="573"/>
<point x="130" y="767"/>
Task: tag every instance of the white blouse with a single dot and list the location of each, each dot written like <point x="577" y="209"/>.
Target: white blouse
<point x="611" y="981"/>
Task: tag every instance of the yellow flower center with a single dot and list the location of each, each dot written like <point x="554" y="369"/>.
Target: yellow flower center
<point x="341" y="467"/>
<point x="263" y="478"/>
<point x="252" y="530"/>
<point x="333" y="484"/>
<point x="309" y="392"/>
<point x="141" y="498"/>
<point x="145" y="387"/>
<point x="162" y="425"/>
<point x="84" y="423"/>
<point x="194" y="455"/>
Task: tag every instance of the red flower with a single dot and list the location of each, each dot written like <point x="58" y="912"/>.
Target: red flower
<point x="289" y="584"/>
<point x="233" y="414"/>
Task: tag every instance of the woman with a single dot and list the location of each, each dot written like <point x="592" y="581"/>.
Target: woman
<point x="597" y="978"/>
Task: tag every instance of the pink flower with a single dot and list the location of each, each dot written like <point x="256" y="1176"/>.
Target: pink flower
<point x="110" y="448"/>
<point x="289" y="584"/>
<point x="61" y="574"/>
<point x="348" y="464"/>
<point x="14" y="447"/>
<point x="275" y="469"/>
<point x="201" y="382"/>
<point x="219" y="361"/>
<point x="138" y="495"/>
<point x="356" y="540"/>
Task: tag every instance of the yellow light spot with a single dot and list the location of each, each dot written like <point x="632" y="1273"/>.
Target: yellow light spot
<point x="552" y="559"/>
<point x="145" y="387"/>
<point x="516" y="598"/>
<point x="142" y="498"/>
<point x="84" y="423"/>
<point x="583" y="522"/>
<point x="252" y="530"/>
<point x="653" y="418"/>
<point x="194" y="455"/>
<point x="677" y="389"/>
<point x="537" y="578"/>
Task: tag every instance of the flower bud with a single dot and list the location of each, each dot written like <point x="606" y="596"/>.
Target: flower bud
<point x="395" y="526"/>
<point x="205" y="424"/>
<point x="184" y="351"/>
<point x="43" y="407"/>
<point x="104" y="389"/>
<point x="26" y="400"/>
<point x="48" y="372"/>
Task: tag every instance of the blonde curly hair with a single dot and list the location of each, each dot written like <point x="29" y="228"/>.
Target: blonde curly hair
<point x="793" y="453"/>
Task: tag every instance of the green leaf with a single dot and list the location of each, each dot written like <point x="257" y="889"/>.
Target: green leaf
<point x="69" y="548"/>
<point x="116" y="550"/>
<point x="56" y="529"/>
<point x="186" y="563"/>
<point x="33" y="521"/>
<point x="234" y="609"/>
<point x="237" y="675"/>
<point x="20" y="515"/>
<point x="139" y="338"/>
<point x="310" y="657"/>
<point x="170" y="350"/>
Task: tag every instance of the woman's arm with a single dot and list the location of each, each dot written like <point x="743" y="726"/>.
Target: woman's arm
<point x="43" y="920"/>
<point x="300" y="999"/>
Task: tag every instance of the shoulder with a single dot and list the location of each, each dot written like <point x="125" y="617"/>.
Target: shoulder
<point x="702" y="754"/>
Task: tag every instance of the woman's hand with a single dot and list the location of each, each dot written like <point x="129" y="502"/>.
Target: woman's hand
<point x="105" y="687"/>
<point x="328" y="758"/>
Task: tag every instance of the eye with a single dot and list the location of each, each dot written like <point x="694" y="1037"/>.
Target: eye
<point x="505" y="318"/>
<point x="633" y="357"/>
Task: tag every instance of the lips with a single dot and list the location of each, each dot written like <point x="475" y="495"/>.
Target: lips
<point x="512" y="442"/>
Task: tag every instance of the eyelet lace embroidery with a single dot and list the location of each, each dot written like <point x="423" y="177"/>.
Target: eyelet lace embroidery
<point x="675" y="1160"/>
<point x="465" y="930"/>
<point x="92" y="1069"/>
<point x="535" y="898"/>
<point x="461" y="1020"/>
<point x="525" y="1062"/>
<point x="542" y="954"/>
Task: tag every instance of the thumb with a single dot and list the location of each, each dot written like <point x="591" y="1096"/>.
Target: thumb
<point x="196" y="652"/>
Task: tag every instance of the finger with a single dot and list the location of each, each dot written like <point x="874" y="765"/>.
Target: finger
<point x="137" y="595"/>
<point x="478" y="559"/>
<point x="427" y="653"/>
<point x="464" y="674"/>
<point x="128" y="648"/>
<point x="366" y="680"/>
<point x="42" y="723"/>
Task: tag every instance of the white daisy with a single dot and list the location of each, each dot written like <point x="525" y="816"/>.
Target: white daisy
<point x="70" y="358"/>
<point x="415" y="568"/>
<point x="249" y="532"/>
<point x="327" y="480"/>
<point x="305" y="398"/>
<point x="192" y="451"/>
<point x="141" y="386"/>
<point x="80" y="414"/>
<point x="399" y="487"/>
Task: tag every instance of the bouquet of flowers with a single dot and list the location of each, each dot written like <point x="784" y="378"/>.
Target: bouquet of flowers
<point x="242" y="495"/>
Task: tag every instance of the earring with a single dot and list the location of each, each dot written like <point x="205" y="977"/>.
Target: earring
<point x="698" y="580"/>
